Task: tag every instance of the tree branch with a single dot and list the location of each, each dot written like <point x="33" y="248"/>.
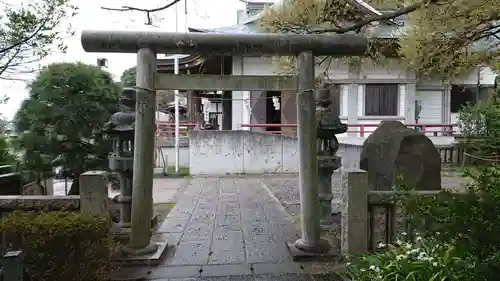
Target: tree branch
<point x="28" y="38"/>
<point x="147" y="11"/>
<point x="368" y="20"/>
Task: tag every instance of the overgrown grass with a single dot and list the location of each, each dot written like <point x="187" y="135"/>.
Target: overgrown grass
<point x="170" y="171"/>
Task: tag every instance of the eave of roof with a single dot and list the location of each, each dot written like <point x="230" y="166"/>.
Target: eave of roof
<point x="167" y="64"/>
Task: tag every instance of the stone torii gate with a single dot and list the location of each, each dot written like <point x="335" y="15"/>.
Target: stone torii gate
<point x="148" y="44"/>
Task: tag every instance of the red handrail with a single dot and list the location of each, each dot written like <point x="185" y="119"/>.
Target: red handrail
<point x="447" y="129"/>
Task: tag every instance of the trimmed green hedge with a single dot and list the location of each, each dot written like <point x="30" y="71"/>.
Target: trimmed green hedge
<point x="60" y="246"/>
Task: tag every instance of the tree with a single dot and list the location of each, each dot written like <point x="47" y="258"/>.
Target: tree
<point x="441" y="38"/>
<point x="61" y="123"/>
<point x="149" y="12"/>
<point x="6" y="157"/>
<point x="128" y="77"/>
<point x="163" y="97"/>
<point x="30" y="32"/>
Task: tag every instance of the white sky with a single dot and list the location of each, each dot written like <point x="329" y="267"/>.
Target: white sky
<point x="201" y="13"/>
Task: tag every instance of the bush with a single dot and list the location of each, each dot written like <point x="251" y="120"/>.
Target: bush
<point x="470" y="221"/>
<point x="480" y="125"/>
<point x="460" y="236"/>
<point x="419" y="261"/>
<point x="6" y="157"/>
<point x="60" y="246"/>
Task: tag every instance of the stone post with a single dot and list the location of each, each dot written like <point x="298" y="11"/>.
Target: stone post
<point x="145" y="126"/>
<point x="354" y="221"/>
<point x="308" y="171"/>
<point x="328" y="125"/>
<point x="13" y="269"/>
<point x="94" y="193"/>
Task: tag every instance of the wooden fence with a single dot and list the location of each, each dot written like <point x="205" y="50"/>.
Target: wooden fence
<point x="369" y="217"/>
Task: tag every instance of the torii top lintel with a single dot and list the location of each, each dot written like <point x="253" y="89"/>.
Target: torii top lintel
<point x="224" y="44"/>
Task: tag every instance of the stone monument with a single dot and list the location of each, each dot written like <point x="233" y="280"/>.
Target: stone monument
<point x="393" y="151"/>
<point x="328" y="125"/>
<point x="121" y="159"/>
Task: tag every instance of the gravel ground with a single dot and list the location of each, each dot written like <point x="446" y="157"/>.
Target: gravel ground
<point x="286" y="190"/>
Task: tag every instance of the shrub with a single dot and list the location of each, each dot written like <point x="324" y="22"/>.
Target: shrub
<point x="480" y="125"/>
<point x="460" y="236"/>
<point x="6" y="157"/>
<point x="419" y="261"/>
<point x="60" y="246"/>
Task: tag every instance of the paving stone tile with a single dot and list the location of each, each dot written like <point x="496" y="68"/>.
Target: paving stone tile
<point x="204" y="215"/>
<point x="171" y="238"/>
<point x="173" y="225"/>
<point x="228" y="197"/>
<point x="228" y="190"/>
<point x="284" y="277"/>
<point x="187" y="201"/>
<point x="228" y="221"/>
<point x="174" y="272"/>
<point x="191" y="253"/>
<point x="209" y="198"/>
<point x="255" y="216"/>
<point x="207" y="206"/>
<point x="254" y="229"/>
<point x="224" y="238"/>
<point x="233" y="271"/>
<point x="227" y="248"/>
<point x="260" y="250"/>
<point x="276" y="268"/>
<point x="230" y="208"/>
<point x="230" y="256"/>
<point x="228" y="278"/>
<point x="181" y="211"/>
<point x="198" y="231"/>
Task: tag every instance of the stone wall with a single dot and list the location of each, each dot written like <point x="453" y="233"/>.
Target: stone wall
<point x="36" y="202"/>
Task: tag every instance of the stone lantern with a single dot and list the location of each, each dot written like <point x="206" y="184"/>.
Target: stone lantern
<point x="328" y="125"/>
<point x="121" y="127"/>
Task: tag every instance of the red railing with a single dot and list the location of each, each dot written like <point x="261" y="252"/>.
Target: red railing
<point x="443" y="129"/>
<point x="168" y="128"/>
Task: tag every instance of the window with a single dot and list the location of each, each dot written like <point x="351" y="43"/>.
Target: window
<point x="381" y="99"/>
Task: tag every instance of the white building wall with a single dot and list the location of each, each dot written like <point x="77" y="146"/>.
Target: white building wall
<point x="484" y="75"/>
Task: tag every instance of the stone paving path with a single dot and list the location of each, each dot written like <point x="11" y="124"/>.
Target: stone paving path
<point x="235" y="228"/>
<point x="227" y="226"/>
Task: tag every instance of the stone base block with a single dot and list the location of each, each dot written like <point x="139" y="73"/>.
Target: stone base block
<point x="122" y="234"/>
<point x="298" y="255"/>
<point x="153" y="259"/>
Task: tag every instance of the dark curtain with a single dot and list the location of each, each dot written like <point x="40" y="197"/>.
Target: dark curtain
<point x="460" y="95"/>
<point x="381" y="99"/>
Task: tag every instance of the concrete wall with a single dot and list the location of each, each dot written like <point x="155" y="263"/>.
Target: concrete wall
<point x="244" y="152"/>
<point x="167" y="156"/>
<point x="236" y="152"/>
